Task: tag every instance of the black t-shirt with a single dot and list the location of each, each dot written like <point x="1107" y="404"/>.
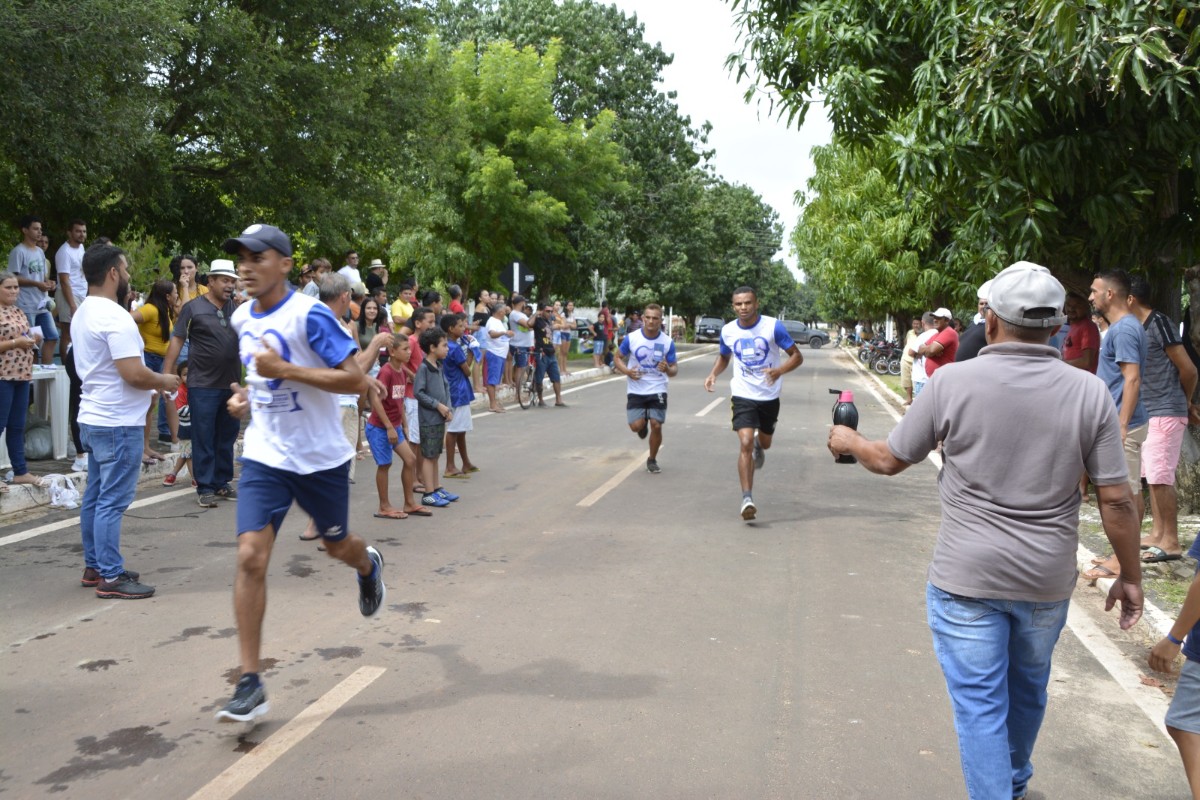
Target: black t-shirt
<point x="212" y="344"/>
<point x="543" y="339"/>
<point x="973" y="340"/>
<point x="373" y="280"/>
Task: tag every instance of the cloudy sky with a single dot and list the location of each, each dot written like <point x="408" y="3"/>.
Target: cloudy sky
<point x="752" y="148"/>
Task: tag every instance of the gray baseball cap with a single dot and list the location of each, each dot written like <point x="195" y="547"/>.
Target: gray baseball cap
<point x="1026" y="294"/>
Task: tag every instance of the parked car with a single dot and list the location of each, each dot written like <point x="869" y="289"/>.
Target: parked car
<point x="802" y="334"/>
<point x="709" y="329"/>
<point x="583" y="328"/>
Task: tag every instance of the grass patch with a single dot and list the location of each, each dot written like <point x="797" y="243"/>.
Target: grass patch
<point x="1170" y="591"/>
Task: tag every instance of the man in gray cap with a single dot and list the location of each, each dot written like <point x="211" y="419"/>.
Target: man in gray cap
<point x="1017" y="426"/>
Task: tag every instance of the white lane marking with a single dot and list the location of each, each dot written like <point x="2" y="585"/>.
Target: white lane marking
<point x="710" y="407"/>
<point x="1149" y="699"/>
<point x="249" y="766"/>
<point x="50" y="527"/>
<point x="613" y="482"/>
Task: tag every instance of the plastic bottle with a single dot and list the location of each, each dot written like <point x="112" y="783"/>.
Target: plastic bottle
<point x="845" y="413"/>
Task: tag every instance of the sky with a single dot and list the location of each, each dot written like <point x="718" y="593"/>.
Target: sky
<point x="752" y="147"/>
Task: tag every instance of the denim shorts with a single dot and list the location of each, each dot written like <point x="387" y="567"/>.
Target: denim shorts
<point x="1184" y="712"/>
<point x="265" y="494"/>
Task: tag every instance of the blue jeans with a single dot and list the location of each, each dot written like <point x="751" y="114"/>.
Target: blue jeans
<point x="995" y="655"/>
<point x="546" y="364"/>
<point x="114" y="464"/>
<point x="214" y="432"/>
<point x="155" y="362"/>
<point x="14" y="405"/>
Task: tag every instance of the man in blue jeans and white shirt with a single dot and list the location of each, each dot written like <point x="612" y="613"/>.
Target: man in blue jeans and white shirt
<point x="1004" y="565"/>
<point x="116" y="391"/>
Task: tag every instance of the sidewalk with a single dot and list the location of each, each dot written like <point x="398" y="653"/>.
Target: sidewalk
<point x="24" y="499"/>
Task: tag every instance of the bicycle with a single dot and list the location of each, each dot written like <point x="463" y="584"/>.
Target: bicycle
<point x="525" y="388"/>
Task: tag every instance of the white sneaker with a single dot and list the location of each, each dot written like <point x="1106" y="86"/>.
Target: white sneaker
<point x="748" y="509"/>
<point x="79" y="464"/>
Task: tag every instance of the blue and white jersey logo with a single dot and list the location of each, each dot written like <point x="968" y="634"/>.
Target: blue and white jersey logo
<point x="753" y="352"/>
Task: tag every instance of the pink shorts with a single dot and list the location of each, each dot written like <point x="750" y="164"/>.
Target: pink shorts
<point x="1160" y="453"/>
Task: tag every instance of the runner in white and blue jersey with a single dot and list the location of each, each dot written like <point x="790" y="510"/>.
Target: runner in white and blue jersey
<point x="647" y="357"/>
<point x="755" y="343"/>
<point x="298" y="359"/>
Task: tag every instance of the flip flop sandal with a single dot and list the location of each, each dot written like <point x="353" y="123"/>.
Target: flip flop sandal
<point x="462" y="475"/>
<point x="1099" y="571"/>
<point x="421" y="512"/>
<point x="1157" y="555"/>
<point x="398" y="515"/>
<point x="473" y="469"/>
<point x="304" y="538"/>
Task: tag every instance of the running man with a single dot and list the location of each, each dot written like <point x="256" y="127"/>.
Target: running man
<point x="298" y="360"/>
<point x="755" y="342"/>
<point x="651" y="361"/>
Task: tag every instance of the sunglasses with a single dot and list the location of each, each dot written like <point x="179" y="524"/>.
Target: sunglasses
<point x="221" y="318"/>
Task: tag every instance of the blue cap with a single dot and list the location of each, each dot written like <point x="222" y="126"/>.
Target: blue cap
<point x="258" y="238"/>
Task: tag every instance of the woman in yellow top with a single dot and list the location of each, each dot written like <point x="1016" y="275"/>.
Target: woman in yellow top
<point x="183" y="273"/>
<point x="154" y="319"/>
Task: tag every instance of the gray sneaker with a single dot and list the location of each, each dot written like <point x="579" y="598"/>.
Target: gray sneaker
<point x="123" y="587"/>
<point x="207" y="500"/>
<point x="249" y="702"/>
<point x="652" y="466"/>
<point x="371" y="591"/>
<point x="760" y="455"/>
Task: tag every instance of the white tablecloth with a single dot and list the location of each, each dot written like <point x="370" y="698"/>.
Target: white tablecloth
<point x="51" y="393"/>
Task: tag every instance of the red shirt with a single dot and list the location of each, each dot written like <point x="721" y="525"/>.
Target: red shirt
<point x="456" y="307"/>
<point x="1082" y="336"/>
<point x="394" y="384"/>
<point x="414" y="363"/>
<point x="948" y="339"/>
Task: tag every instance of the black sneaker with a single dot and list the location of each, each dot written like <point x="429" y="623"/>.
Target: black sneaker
<point x="652" y="466"/>
<point x="207" y="500"/>
<point x="249" y="702"/>
<point x="124" y="587"/>
<point x="226" y="492"/>
<point x="371" y="591"/>
<point x="644" y="432"/>
<point x="91" y="577"/>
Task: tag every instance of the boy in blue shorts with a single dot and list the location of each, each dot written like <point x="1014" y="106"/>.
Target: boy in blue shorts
<point x="457" y="367"/>
<point x="433" y="398"/>
<point x="384" y="433"/>
<point x="298" y="358"/>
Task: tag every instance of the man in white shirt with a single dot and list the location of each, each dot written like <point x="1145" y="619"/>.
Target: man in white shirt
<point x="754" y="342"/>
<point x="350" y="269"/>
<point x="650" y="354"/>
<point x="494" y="337"/>
<point x="116" y="391"/>
<point x="298" y="358"/>
<point x="72" y="286"/>
<point x="919" y="377"/>
<point x="522" y="339"/>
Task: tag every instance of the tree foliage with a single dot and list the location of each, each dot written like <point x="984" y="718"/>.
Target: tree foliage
<point x="1064" y="132"/>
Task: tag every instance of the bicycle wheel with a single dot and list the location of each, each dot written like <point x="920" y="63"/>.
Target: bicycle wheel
<point x="523" y="386"/>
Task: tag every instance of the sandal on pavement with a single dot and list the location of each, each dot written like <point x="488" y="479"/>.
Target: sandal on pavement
<point x="421" y="511"/>
<point x="394" y="515"/>
<point x="1100" y="571"/>
<point x="1156" y="555"/>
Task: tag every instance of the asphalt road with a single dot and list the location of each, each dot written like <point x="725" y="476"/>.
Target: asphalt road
<point x="560" y="632"/>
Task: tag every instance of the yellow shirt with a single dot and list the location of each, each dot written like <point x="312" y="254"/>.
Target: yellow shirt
<point x="151" y="331"/>
<point x="401" y="311"/>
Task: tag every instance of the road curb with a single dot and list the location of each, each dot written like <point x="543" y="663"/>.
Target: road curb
<point x="1158" y="620"/>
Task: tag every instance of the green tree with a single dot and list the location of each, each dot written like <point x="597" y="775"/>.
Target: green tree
<point x="517" y="177"/>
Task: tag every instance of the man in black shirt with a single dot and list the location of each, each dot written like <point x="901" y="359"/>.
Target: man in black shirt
<point x="973" y="339"/>
<point x="213" y="366"/>
<point x="547" y="360"/>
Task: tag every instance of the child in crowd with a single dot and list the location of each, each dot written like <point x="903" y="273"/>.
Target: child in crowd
<point x="458" y="374"/>
<point x="1183" y="715"/>
<point x="433" y="398"/>
<point x="384" y="433"/>
<point x="184" y="417"/>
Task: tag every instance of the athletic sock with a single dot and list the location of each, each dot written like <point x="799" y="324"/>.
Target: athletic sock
<point x="746" y="495"/>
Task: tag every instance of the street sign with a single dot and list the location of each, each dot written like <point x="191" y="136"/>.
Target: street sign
<point x="517" y="279"/>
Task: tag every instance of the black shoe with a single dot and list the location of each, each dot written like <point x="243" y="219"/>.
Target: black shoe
<point x="227" y="492"/>
<point x="371" y="591"/>
<point x="644" y="432"/>
<point x="123" y="587"/>
<point x="207" y="500"/>
<point x="249" y="702"/>
<point x="91" y="577"/>
<point x="652" y="466"/>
